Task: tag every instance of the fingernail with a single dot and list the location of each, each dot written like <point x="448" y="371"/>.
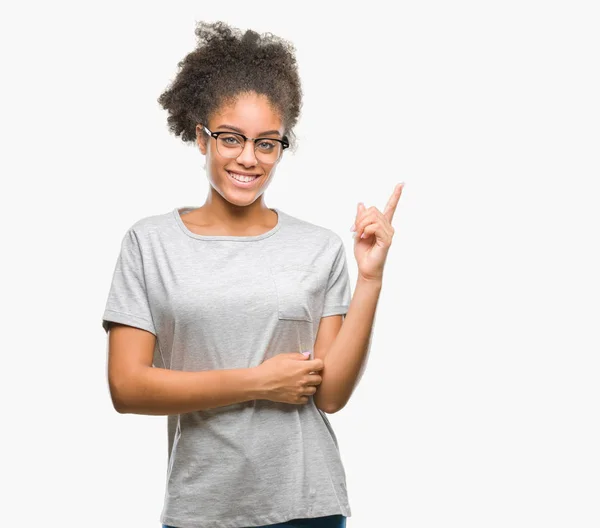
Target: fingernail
<point x="363" y="235"/>
<point x="353" y="227"/>
<point x="306" y="354"/>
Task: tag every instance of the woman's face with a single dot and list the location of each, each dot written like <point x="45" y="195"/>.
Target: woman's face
<point x="253" y="116"/>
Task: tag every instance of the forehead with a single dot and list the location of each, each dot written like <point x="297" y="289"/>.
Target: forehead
<point x="253" y="113"/>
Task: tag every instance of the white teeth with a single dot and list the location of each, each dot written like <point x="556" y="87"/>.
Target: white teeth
<point x="241" y="178"/>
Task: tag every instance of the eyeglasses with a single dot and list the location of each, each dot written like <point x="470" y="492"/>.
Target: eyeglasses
<point x="231" y="145"/>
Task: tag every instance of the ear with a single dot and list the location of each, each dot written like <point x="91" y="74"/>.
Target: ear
<point x="201" y="138"/>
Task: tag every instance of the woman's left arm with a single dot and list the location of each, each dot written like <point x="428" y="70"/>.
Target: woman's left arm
<point x="346" y="357"/>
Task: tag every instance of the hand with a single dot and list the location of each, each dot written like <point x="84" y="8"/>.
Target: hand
<point x="290" y="377"/>
<point x="371" y="251"/>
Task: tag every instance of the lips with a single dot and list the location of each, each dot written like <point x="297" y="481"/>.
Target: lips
<point x="242" y="173"/>
<point x="243" y="184"/>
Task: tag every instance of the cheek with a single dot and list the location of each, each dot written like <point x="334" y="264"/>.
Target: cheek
<point x="212" y="156"/>
<point x="214" y="162"/>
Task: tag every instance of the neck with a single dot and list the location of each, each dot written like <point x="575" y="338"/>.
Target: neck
<point x="218" y="211"/>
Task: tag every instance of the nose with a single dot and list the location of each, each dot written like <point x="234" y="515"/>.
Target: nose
<point x="247" y="157"/>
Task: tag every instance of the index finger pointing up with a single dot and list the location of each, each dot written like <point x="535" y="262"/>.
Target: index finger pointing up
<point x="390" y="207"/>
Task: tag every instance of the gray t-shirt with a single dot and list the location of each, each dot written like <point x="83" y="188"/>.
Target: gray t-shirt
<point x="230" y="302"/>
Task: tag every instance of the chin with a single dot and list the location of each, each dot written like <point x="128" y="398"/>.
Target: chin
<point x="241" y="199"/>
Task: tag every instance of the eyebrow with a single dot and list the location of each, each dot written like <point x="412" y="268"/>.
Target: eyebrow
<point x="240" y="131"/>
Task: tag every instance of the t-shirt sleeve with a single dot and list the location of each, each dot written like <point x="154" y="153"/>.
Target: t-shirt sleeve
<point x="128" y="299"/>
<point x="338" y="294"/>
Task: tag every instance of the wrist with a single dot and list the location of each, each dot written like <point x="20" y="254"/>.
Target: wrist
<point x="370" y="282"/>
<point x="258" y="389"/>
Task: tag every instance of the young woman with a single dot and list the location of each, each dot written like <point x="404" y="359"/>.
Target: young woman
<point x="229" y="317"/>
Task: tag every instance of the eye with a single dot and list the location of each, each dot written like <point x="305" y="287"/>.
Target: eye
<point x="230" y="139"/>
<point x="267" y="145"/>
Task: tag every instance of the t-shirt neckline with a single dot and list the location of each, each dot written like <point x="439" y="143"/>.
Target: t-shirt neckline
<point x="248" y="238"/>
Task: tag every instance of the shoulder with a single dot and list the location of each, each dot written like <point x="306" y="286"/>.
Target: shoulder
<point x="147" y="228"/>
<point x="307" y="232"/>
<point x="149" y="223"/>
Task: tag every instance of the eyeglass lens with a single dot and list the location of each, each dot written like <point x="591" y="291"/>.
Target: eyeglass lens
<point x="231" y="146"/>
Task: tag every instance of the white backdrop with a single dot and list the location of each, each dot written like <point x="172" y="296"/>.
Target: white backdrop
<point x="480" y="403"/>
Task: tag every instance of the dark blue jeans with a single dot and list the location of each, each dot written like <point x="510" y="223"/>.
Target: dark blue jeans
<point x="331" y="521"/>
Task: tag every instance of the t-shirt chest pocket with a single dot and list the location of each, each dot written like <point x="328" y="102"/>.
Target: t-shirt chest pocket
<point x="297" y="291"/>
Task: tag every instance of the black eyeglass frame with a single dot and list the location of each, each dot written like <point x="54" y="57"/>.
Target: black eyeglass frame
<point x="284" y="142"/>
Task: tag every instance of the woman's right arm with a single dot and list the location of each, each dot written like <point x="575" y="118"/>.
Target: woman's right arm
<point x="139" y="388"/>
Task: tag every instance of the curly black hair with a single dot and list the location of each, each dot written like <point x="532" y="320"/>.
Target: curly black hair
<point x="225" y="64"/>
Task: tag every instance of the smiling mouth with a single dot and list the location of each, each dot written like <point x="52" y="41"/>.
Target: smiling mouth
<point x="243" y="178"/>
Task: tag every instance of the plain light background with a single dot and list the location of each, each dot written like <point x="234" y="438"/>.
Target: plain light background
<point x="480" y="403"/>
